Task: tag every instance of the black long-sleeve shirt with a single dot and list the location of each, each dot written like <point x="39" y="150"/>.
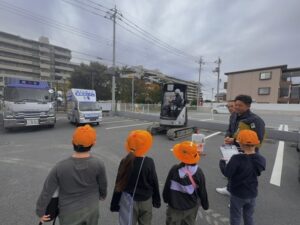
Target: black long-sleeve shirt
<point x="242" y="171"/>
<point x="147" y="186"/>
<point x="178" y="192"/>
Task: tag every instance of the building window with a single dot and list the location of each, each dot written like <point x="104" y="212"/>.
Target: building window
<point x="264" y="91"/>
<point x="265" y="76"/>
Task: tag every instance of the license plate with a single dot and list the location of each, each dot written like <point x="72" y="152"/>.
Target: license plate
<point x="32" y="122"/>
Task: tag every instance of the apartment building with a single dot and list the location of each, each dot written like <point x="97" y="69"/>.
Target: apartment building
<point x="31" y="59"/>
<point x="276" y="84"/>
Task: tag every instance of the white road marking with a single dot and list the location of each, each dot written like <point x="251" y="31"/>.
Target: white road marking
<point x="214" y="134"/>
<point x="207" y="137"/>
<point x="205" y="119"/>
<point x="117" y="121"/>
<point x="277" y="168"/>
<point x="132" y="125"/>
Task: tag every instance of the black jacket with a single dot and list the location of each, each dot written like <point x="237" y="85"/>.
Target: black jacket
<point x="247" y="120"/>
<point x="183" y="201"/>
<point x="242" y="171"/>
<point x="147" y="186"/>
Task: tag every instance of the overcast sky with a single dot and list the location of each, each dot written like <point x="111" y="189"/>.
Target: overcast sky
<point x="244" y="34"/>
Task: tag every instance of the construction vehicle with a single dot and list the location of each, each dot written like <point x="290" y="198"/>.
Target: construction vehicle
<point x="173" y="114"/>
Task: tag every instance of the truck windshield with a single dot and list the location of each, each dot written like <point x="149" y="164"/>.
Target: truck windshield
<point x="26" y="94"/>
<point x="89" y="106"/>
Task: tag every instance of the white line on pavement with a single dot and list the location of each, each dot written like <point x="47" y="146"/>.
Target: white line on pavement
<point x="211" y="135"/>
<point x="277" y="168"/>
<point x="117" y="121"/>
<point x="132" y="125"/>
<point x="205" y="119"/>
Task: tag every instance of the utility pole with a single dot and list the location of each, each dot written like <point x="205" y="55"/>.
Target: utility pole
<point x="113" y="86"/>
<point x="132" y="94"/>
<point x="199" y="84"/>
<point x="218" y="71"/>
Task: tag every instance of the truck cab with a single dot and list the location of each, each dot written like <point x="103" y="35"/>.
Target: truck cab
<point x="82" y="107"/>
<point x="27" y="103"/>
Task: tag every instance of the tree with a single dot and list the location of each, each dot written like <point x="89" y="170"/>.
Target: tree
<point x="93" y="77"/>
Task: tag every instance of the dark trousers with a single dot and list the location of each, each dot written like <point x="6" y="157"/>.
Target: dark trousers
<point x="239" y="207"/>
<point x="181" y="217"/>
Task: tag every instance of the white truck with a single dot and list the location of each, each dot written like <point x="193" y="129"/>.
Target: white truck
<point x="27" y="103"/>
<point x="82" y="107"/>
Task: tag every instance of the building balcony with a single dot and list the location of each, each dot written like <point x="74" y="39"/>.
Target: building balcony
<point x="63" y="53"/>
<point x="43" y="49"/>
<point x="9" y="59"/>
<point x="45" y="74"/>
<point x="19" y="52"/>
<point x="69" y="69"/>
<point x="66" y="61"/>
<point x="45" y="66"/>
<point x="17" y="43"/>
<point x="19" y="69"/>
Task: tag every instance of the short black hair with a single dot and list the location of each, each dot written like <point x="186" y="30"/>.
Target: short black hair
<point x="80" y="148"/>
<point x="244" y="98"/>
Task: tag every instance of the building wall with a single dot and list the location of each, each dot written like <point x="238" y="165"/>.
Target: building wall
<point x="33" y="59"/>
<point x="249" y="82"/>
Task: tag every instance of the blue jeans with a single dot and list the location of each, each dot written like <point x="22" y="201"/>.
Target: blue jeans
<point x="239" y="206"/>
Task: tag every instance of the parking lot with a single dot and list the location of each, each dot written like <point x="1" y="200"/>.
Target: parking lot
<point x="27" y="155"/>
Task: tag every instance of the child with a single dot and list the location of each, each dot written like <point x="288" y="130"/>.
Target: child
<point x="81" y="180"/>
<point x="185" y="186"/>
<point x="136" y="179"/>
<point x="242" y="171"/>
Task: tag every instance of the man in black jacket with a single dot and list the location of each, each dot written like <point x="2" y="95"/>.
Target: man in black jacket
<point x="243" y="119"/>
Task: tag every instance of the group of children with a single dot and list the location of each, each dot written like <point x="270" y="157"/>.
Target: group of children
<point x="185" y="190"/>
<point x="136" y="188"/>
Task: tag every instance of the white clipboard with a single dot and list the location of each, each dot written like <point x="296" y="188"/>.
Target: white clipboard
<point x="228" y="151"/>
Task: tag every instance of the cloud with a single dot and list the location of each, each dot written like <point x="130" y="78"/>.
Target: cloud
<point x="245" y="34"/>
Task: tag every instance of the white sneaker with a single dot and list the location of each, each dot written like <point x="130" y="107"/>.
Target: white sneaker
<point x="223" y="191"/>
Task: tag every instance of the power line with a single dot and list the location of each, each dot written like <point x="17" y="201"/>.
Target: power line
<point x="53" y="23"/>
<point x="148" y="34"/>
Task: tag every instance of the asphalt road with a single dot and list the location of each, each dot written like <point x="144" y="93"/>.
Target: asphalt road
<point x="272" y="120"/>
<point x="27" y="155"/>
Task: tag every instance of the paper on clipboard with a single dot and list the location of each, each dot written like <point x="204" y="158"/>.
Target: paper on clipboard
<point x="228" y="151"/>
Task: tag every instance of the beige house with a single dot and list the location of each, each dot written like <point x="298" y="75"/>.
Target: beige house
<point x="276" y="84"/>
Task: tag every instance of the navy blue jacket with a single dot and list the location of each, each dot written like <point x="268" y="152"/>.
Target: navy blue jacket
<point x="251" y="120"/>
<point x="184" y="201"/>
<point x="242" y="171"/>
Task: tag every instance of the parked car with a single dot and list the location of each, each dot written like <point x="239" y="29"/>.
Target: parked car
<point x="220" y="109"/>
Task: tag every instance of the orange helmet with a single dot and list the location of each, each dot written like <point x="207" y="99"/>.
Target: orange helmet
<point x="138" y="142"/>
<point x="186" y="152"/>
<point x="84" y="136"/>
<point x="248" y="137"/>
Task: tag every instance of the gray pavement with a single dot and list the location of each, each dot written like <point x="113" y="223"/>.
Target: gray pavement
<point x="27" y="155"/>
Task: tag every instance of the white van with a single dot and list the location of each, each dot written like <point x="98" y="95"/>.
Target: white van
<point x="82" y="107"/>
